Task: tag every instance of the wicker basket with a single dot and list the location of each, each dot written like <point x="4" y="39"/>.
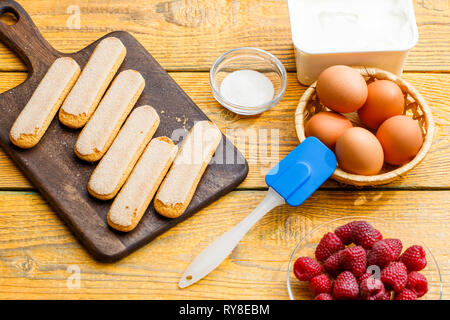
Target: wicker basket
<point x="415" y="107"/>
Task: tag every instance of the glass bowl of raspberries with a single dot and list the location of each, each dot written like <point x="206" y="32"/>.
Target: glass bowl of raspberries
<point x="362" y="258"/>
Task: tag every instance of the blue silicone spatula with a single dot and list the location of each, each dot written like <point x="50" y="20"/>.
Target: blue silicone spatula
<point x="291" y="181"/>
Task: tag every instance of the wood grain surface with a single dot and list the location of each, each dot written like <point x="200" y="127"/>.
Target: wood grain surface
<point x="36" y="249"/>
<point x="191" y="34"/>
<point x="186" y="36"/>
<point x="244" y="131"/>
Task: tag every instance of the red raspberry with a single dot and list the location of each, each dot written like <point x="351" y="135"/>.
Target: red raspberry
<point x="383" y="252"/>
<point x="329" y="244"/>
<point x="332" y="264"/>
<point x="320" y="284"/>
<point x="377" y="235"/>
<point x="306" y="268"/>
<point x="345" y="286"/>
<point x="414" y="258"/>
<point x="354" y="260"/>
<point x="405" y="294"/>
<point x="396" y="246"/>
<point x="385" y="296"/>
<point x="394" y="276"/>
<point x="372" y="289"/>
<point x="363" y="234"/>
<point x="324" y="296"/>
<point x="345" y="232"/>
<point x="417" y="283"/>
<point x="364" y="276"/>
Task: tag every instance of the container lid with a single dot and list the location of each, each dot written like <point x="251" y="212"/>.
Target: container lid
<point x="328" y="26"/>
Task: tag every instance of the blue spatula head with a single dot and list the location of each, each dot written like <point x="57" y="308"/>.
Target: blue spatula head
<point x="302" y="171"/>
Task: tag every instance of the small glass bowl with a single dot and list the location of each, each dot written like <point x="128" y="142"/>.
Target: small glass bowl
<point x="299" y="290"/>
<point x="250" y="59"/>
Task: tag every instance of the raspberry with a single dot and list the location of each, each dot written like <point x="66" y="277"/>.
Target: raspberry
<point x="345" y="233"/>
<point x="414" y="258"/>
<point x="405" y="294"/>
<point x="324" y="296"/>
<point x="367" y="252"/>
<point x="417" y="283"/>
<point x="385" y="296"/>
<point x="396" y="247"/>
<point x="354" y="260"/>
<point x="383" y="252"/>
<point x="345" y="286"/>
<point x="372" y="289"/>
<point x="306" y="268"/>
<point x="332" y="264"/>
<point x="328" y="245"/>
<point x="320" y="284"/>
<point x="377" y="235"/>
<point x="394" y="276"/>
<point x="364" y="276"/>
<point x="363" y="234"/>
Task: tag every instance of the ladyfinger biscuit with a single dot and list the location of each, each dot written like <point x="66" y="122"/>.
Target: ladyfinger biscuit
<point x="179" y="186"/>
<point x="101" y="129"/>
<point x="115" y="167"/>
<point x="40" y="110"/>
<point x="135" y="196"/>
<point x="92" y="83"/>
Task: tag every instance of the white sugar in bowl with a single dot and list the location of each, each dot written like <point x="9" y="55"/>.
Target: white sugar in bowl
<point x="248" y="81"/>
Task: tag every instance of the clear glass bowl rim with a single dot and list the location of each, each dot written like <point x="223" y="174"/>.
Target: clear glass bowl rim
<point x="288" y="285"/>
<point x="238" y="108"/>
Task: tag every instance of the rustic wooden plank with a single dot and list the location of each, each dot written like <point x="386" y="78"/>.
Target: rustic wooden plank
<point x="433" y="172"/>
<point x="36" y="248"/>
<point x="189" y="35"/>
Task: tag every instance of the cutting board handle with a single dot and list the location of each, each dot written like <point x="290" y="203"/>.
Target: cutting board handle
<point x="24" y="37"/>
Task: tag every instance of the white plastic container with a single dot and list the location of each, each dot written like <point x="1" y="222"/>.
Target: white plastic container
<point x="351" y="32"/>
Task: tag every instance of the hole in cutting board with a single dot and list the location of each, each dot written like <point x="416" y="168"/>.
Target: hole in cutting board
<point x="9" y="17"/>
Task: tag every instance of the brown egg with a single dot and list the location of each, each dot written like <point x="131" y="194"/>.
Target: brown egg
<point x="358" y="151"/>
<point x="342" y="89"/>
<point x="401" y="138"/>
<point x="327" y="127"/>
<point x="384" y="100"/>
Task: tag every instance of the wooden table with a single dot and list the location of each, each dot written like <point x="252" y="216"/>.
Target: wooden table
<point x="186" y="36"/>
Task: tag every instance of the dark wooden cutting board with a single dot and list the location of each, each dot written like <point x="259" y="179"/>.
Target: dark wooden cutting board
<point x="62" y="178"/>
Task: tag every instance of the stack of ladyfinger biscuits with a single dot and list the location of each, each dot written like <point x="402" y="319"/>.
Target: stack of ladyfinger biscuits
<point x="132" y="166"/>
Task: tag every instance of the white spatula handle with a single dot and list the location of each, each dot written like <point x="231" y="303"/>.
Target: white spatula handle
<point x="217" y="251"/>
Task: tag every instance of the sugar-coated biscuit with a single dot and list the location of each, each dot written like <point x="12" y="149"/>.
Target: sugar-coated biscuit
<point x="179" y="186"/>
<point x="95" y="78"/>
<point x="137" y="193"/>
<point x="43" y="105"/>
<point x="115" y="167"/>
<point x="101" y="129"/>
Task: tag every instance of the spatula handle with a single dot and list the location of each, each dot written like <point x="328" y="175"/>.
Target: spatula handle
<point x="24" y="38"/>
<point x="216" y="252"/>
